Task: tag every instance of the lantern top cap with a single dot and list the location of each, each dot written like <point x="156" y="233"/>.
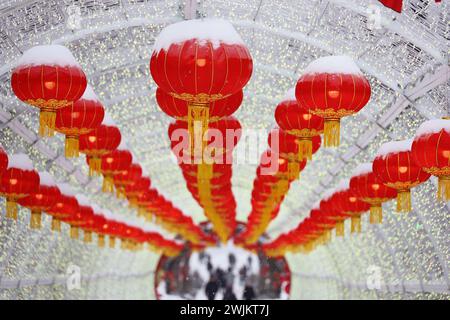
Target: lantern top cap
<point x="20" y="161"/>
<point x="53" y="55"/>
<point x="46" y="179"/>
<point x="333" y="64"/>
<point x="89" y="94"/>
<point x="394" y="147"/>
<point x="433" y="126"/>
<point x="83" y="200"/>
<point x="290" y="95"/>
<point x="215" y="31"/>
<point x="362" y="169"/>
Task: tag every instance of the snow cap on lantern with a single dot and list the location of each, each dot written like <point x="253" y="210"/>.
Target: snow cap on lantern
<point x="431" y="151"/>
<point x="17" y="181"/>
<point x="333" y="87"/>
<point x="396" y="168"/>
<point x="48" y="77"/>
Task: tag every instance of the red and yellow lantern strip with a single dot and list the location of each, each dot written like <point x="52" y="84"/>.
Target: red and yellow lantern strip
<point x="126" y="178"/>
<point x="208" y="63"/>
<point x="431" y="151"/>
<point x="395" y="167"/>
<point x="79" y="118"/>
<point x="18" y="181"/>
<point x="41" y="199"/>
<point x="114" y="163"/>
<point x="210" y="181"/>
<point x="332" y="87"/>
<point x="65" y="207"/>
<point x="49" y="78"/>
<point x="370" y="189"/>
<point x="299" y="122"/>
<point x="99" y="142"/>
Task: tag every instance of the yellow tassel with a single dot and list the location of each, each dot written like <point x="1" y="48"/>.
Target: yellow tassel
<point x="293" y="170"/>
<point x="95" y="165"/>
<point x="72" y="147"/>
<point x="198" y="117"/>
<point x="444" y="188"/>
<point x="74" y="233"/>
<point x="87" y="237"/>
<point x="356" y="224"/>
<point x="331" y="132"/>
<point x="112" y="242"/>
<point x="108" y="184"/>
<point x="304" y="148"/>
<point x="11" y="209"/>
<point x="35" y="220"/>
<point x="404" y="201"/>
<point x="376" y="214"/>
<point x="340" y="229"/>
<point x="120" y="193"/>
<point x="204" y="172"/>
<point x="327" y="236"/>
<point x="101" y="241"/>
<point x="56" y="225"/>
<point x="47" y="120"/>
<point x="142" y="211"/>
<point x="132" y="201"/>
<point x="124" y="244"/>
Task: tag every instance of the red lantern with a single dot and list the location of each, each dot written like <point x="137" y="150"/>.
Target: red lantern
<point x="99" y="142"/>
<point x="18" y="181"/>
<point x="299" y="122"/>
<point x="370" y="189"/>
<point x="332" y="87"/>
<point x="41" y="199"/>
<point x="134" y="190"/>
<point x="126" y="178"/>
<point x="49" y="78"/>
<point x="113" y="163"/>
<point x="81" y="218"/>
<point x="65" y="207"/>
<point x="200" y="61"/>
<point x="431" y="151"/>
<point x="348" y="203"/>
<point x="3" y="161"/>
<point x="396" y="168"/>
<point x="79" y="118"/>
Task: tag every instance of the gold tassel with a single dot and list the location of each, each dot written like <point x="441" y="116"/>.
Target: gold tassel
<point x="95" y="165"/>
<point x="47" y="120"/>
<point x="101" y="241"/>
<point x="204" y="172"/>
<point x="120" y="193"/>
<point x="142" y="211"/>
<point x="356" y="224"/>
<point x="87" y="236"/>
<point x="340" y="229"/>
<point x="108" y="184"/>
<point x="72" y="147"/>
<point x="327" y="236"/>
<point x="11" y="209"/>
<point x="132" y="202"/>
<point x="35" y="220"/>
<point x="293" y="170"/>
<point x="331" y="133"/>
<point x="56" y="224"/>
<point x="112" y="242"/>
<point x="304" y="148"/>
<point x="443" y="188"/>
<point x="74" y="233"/>
<point x="376" y="214"/>
<point x="197" y="112"/>
<point x="404" y="201"/>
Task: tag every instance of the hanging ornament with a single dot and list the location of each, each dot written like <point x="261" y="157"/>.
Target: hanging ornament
<point x="99" y="142"/>
<point x="41" y="199"/>
<point x="114" y="163"/>
<point x="78" y="118"/>
<point x="48" y="77"/>
<point x="66" y="206"/>
<point x="299" y="122"/>
<point x="395" y="167"/>
<point x="348" y="203"/>
<point x="332" y="87"/>
<point x="200" y="61"/>
<point x="127" y="178"/>
<point x="81" y="219"/>
<point x="370" y="189"/>
<point x="133" y="191"/>
<point x="18" y="181"/>
<point x="431" y="151"/>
